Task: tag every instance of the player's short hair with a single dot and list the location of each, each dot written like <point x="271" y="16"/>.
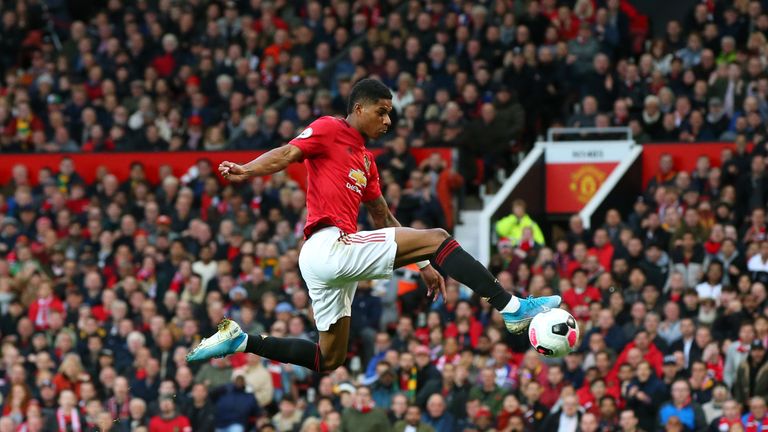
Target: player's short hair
<point x="367" y="90"/>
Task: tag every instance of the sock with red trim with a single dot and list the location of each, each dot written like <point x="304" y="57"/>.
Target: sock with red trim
<point x="460" y="265"/>
<point x="300" y="352"/>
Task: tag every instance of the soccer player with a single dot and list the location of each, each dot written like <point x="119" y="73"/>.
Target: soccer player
<point x="342" y="174"/>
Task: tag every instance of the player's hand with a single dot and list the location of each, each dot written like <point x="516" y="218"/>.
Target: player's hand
<point x="434" y="281"/>
<point x="232" y="171"/>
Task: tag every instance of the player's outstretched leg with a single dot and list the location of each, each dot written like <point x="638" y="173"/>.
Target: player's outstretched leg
<point x="230" y="339"/>
<point x="441" y="249"/>
<point x="328" y="354"/>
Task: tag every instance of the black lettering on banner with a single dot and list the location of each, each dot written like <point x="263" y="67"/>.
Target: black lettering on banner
<point x="587" y="154"/>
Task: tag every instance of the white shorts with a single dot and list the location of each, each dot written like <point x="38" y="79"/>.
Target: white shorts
<point x="332" y="264"/>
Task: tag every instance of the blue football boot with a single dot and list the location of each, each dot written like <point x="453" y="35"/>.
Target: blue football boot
<point x="224" y="342"/>
<point x="518" y="321"/>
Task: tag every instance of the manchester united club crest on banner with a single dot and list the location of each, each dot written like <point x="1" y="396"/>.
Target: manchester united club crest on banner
<point x="585" y="182"/>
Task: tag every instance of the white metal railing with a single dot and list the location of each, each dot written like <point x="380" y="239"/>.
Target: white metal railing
<point x="553" y="132"/>
<point x="486" y="216"/>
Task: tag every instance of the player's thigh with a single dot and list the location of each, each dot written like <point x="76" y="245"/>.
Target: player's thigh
<point x="365" y="255"/>
<point x="334" y="343"/>
<point x="415" y="244"/>
<point x="332" y="309"/>
<point x="333" y="258"/>
<point x="319" y="261"/>
<point x="316" y="258"/>
<point x="330" y="302"/>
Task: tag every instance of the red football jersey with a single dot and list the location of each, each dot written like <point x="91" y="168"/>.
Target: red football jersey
<point x="341" y="173"/>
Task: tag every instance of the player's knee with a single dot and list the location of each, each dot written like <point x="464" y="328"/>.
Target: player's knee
<point x="440" y="235"/>
<point x="331" y="362"/>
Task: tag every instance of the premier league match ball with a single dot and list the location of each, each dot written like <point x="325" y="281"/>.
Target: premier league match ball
<point x="553" y="333"/>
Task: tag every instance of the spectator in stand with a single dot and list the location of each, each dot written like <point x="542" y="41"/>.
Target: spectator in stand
<point x="711" y="287"/>
<point x="607" y="328"/>
<point x="602" y="248"/>
<point x="234" y="407"/>
<point x="731" y="416"/>
<point x="68" y="416"/>
<point x="512" y="226"/>
<point x="289" y="415"/>
<point x="733" y="261"/>
<point x="168" y="419"/>
<point x="755" y="417"/>
<point x="200" y="410"/>
<point x="752" y="186"/>
<point x="665" y="176"/>
<point x="628" y="421"/>
<point x="250" y="138"/>
<point x="715" y="407"/>
<point x="682" y="407"/>
<point x="445" y="182"/>
<point x="384" y="388"/>
<point x="587" y="114"/>
<point x="752" y="375"/>
<point x="46" y="302"/>
<point x="412" y="422"/>
<point x="738" y="352"/>
<point x="565" y="419"/>
<point x="688" y="259"/>
<point x="436" y="415"/>
<point x="644" y="394"/>
<point x="645" y="348"/>
<point x="488" y="392"/>
<point x="427" y="208"/>
<point x="758" y="264"/>
<point x="552" y="386"/>
<point x="397" y="161"/>
<point x="581" y="295"/>
<point x="454" y="384"/>
<point x="363" y="415"/>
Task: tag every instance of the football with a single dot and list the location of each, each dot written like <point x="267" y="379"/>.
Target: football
<point x="553" y="333"/>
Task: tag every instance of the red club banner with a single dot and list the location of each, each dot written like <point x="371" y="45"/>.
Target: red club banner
<point x="575" y="172"/>
<point x="570" y="186"/>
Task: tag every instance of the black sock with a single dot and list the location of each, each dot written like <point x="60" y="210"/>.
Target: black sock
<point x="466" y="269"/>
<point x="300" y="352"/>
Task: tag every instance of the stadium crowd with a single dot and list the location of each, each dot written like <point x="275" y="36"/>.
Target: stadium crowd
<point x="104" y="286"/>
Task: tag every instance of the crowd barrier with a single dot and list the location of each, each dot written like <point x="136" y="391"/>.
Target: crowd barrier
<point x="683" y="154"/>
<point x="119" y="164"/>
